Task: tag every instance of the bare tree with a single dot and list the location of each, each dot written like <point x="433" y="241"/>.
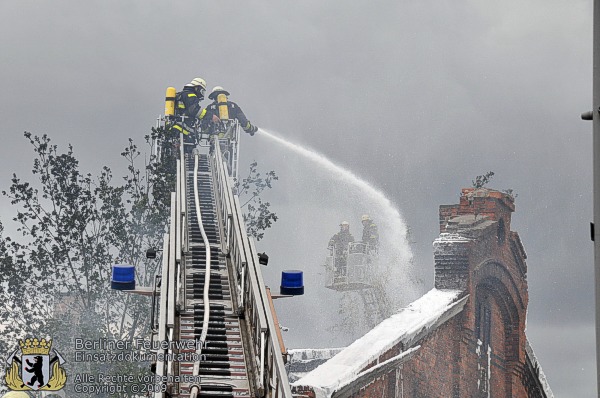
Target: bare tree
<point x="482" y="180"/>
<point x="257" y="214"/>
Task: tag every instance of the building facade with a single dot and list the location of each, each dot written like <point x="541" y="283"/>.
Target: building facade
<point x="464" y="338"/>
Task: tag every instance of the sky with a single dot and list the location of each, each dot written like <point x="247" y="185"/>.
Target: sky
<point x="416" y="98"/>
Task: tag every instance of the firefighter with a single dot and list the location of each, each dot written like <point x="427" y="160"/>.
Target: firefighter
<point x="339" y="242"/>
<point x="370" y="236"/>
<point x="188" y="111"/>
<point x="223" y="109"/>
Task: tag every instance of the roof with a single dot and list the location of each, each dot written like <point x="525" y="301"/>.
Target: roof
<point x="301" y="361"/>
<point x="407" y="327"/>
<point x="538" y="372"/>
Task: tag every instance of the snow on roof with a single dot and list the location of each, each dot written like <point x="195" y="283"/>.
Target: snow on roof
<point x="307" y="354"/>
<point x="449" y="238"/>
<point x="541" y="376"/>
<point x="302" y="361"/>
<point x="405" y="327"/>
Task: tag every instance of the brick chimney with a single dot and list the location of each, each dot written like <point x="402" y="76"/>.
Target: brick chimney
<point x="481" y="203"/>
<point x="478" y="224"/>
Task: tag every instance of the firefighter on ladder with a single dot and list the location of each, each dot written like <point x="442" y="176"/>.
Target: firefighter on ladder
<point x="370" y="236"/>
<point x="221" y="110"/>
<point x="339" y="243"/>
<point x="186" y="112"/>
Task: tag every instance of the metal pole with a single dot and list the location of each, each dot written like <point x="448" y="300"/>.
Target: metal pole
<point x="596" y="175"/>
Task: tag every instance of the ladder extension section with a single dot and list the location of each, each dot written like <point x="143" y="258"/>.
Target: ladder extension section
<point x="237" y="351"/>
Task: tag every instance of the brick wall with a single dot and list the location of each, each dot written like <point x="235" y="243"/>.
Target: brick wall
<point x="434" y="371"/>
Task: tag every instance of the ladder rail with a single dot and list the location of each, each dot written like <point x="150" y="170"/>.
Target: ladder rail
<point x="276" y="374"/>
<point x="270" y="368"/>
<point x="173" y="278"/>
<point x="162" y="322"/>
<point x="230" y="219"/>
<point x="183" y="217"/>
<point x="163" y="309"/>
<point x="241" y="259"/>
<point x="178" y="205"/>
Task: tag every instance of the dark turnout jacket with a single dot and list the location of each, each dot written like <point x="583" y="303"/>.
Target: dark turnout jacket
<point x="235" y="112"/>
<point x="371" y="234"/>
<point x="340" y="242"/>
<point x="188" y="104"/>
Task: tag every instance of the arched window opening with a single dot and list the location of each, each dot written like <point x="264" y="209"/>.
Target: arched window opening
<point x="501" y="232"/>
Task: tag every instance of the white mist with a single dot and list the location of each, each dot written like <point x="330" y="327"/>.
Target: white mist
<point x="339" y="195"/>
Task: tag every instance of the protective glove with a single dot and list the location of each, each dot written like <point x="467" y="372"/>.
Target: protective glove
<point x="251" y="130"/>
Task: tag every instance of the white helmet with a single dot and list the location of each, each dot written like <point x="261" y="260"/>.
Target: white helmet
<point x="216" y="91"/>
<point x="345" y="223"/>
<point x="365" y="217"/>
<point x="197" y="82"/>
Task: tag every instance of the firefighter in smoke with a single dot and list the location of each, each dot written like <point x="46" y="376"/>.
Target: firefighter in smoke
<point x="188" y="111"/>
<point x="370" y="236"/>
<point x="223" y="109"/>
<point x="339" y="242"/>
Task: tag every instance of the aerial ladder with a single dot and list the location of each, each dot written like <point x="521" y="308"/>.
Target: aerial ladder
<point x="354" y="271"/>
<point x="211" y="290"/>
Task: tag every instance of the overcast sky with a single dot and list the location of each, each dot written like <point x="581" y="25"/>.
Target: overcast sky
<point x="416" y="97"/>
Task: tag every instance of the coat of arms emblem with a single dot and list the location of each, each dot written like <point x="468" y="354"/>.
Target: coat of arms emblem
<point x="34" y="369"/>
